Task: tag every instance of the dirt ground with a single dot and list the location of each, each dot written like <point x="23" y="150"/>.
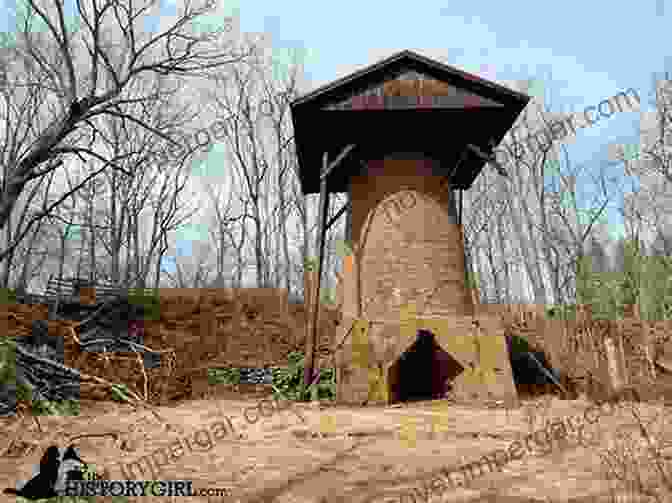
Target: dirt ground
<point x="340" y="454"/>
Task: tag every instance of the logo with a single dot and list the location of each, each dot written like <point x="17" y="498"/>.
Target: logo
<point x="57" y="468"/>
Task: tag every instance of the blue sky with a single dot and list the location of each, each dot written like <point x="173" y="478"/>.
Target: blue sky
<point x="581" y="52"/>
<point x="577" y="60"/>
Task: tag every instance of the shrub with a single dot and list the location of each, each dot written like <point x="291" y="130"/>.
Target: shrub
<point x="288" y="381"/>
<point x="224" y="376"/>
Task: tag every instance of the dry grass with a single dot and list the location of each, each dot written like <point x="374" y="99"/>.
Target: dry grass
<point x="636" y="460"/>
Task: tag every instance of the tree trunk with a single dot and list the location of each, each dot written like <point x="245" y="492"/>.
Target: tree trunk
<point x="9" y="258"/>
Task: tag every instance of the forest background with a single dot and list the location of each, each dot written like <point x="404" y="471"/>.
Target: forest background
<point x="89" y="100"/>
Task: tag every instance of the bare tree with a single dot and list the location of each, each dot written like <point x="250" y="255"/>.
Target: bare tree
<point x="47" y="61"/>
<point x="27" y="208"/>
<point x="221" y="233"/>
<point x="259" y="135"/>
<point x="89" y="194"/>
<point x="647" y="206"/>
<point x="39" y="238"/>
<point x="66" y="228"/>
<point x="195" y="271"/>
<point x="545" y="224"/>
<point x="124" y="139"/>
<point x="244" y="138"/>
<point x="279" y="98"/>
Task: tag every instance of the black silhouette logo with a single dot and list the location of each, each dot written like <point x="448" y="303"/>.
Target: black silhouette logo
<point x="42" y="485"/>
<point x="55" y="472"/>
<point x="72" y="468"/>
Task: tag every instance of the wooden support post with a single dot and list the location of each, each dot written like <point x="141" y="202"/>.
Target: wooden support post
<point x="348" y="217"/>
<point x="459" y="219"/>
<point x="313" y="315"/>
<point x="332" y="221"/>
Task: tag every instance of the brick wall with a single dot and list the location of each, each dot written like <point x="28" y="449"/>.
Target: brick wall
<point x="411" y="246"/>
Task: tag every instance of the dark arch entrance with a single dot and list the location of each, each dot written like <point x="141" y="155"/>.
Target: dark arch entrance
<point x="423" y="372"/>
<point x="526" y="368"/>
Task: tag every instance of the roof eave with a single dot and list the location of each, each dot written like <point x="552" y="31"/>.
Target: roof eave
<point x="406" y="54"/>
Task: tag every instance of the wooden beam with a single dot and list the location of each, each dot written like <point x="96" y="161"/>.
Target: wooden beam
<point x="546" y="372"/>
<point x="457" y="165"/>
<point x="459" y="220"/>
<point x="313" y="316"/>
<point x="348" y="217"/>
<point x="488" y="158"/>
<point x="338" y="214"/>
<point x="327" y="169"/>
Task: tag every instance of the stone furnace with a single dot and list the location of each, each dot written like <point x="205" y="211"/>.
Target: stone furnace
<point x="407" y="130"/>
